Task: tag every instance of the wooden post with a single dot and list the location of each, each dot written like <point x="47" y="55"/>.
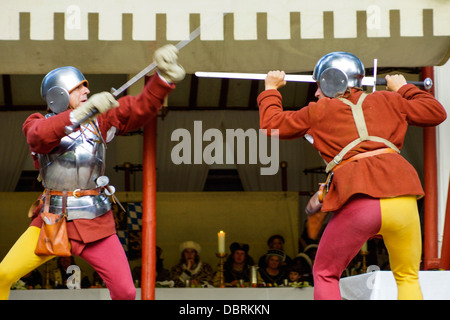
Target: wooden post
<point x="148" y="276"/>
<point x="430" y="246"/>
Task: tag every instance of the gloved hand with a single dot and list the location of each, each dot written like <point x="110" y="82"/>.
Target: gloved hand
<point x="102" y="102"/>
<point x="166" y="59"/>
<point x="313" y="205"/>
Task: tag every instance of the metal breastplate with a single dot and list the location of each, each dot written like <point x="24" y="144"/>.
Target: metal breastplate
<point x="76" y="164"/>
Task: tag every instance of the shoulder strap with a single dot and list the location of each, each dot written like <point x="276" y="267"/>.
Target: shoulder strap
<point x="358" y="115"/>
<point x="360" y="122"/>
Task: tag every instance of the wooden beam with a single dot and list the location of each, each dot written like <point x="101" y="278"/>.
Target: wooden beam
<point x="224" y="93"/>
<point x="254" y="86"/>
<point x="193" y="92"/>
<point x="7" y="92"/>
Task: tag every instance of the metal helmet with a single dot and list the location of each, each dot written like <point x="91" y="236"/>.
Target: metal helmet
<point x="57" y="85"/>
<point x="338" y="71"/>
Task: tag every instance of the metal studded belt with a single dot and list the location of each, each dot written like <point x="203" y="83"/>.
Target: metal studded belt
<point x="78" y="204"/>
<point x="77" y="193"/>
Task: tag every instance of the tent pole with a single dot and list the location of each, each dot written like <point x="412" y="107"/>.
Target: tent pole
<point x="149" y="212"/>
<point x="430" y="247"/>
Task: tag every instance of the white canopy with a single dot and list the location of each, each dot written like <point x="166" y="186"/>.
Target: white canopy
<point x="115" y="36"/>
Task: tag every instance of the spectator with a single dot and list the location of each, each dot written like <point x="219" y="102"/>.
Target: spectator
<point x="273" y="274"/>
<point x="237" y="267"/>
<point x="294" y="274"/>
<point x="303" y="265"/>
<point x="276" y="242"/>
<point x="190" y="268"/>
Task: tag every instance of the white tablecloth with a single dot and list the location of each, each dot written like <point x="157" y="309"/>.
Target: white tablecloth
<point x="380" y="285"/>
<point x="171" y="294"/>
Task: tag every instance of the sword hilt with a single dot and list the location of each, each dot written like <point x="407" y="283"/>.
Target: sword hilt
<point x="194" y="34"/>
<point x="69" y="129"/>
<point x="426" y="83"/>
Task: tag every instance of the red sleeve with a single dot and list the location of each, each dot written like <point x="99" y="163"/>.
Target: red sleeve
<point x="291" y="124"/>
<point x="420" y="107"/>
<point x="135" y="112"/>
<point x="42" y="134"/>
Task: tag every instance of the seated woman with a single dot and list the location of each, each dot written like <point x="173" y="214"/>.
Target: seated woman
<point x="191" y="269"/>
<point x="237" y="268"/>
<point x="275" y="241"/>
<point x="273" y="274"/>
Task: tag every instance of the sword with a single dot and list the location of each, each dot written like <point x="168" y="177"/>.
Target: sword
<point x="116" y="92"/>
<point x="194" y="34"/>
<point x="366" y="81"/>
<point x="375" y="65"/>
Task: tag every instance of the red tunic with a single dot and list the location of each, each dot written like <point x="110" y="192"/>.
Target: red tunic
<point x="330" y="122"/>
<point x="43" y="135"/>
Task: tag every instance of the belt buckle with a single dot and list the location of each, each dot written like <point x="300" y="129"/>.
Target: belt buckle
<point x="74" y="193"/>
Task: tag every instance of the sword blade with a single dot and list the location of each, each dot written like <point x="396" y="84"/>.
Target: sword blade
<point x="366" y="81"/>
<point x="252" y="76"/>
<point x="194" y="34"/>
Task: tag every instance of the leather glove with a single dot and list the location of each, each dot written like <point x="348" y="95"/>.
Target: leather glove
<point x="314" y="205"/>
<point x="166" y="59"/>
<point x="96" y="104"/>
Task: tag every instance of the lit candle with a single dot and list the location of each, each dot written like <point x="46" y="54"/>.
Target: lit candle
<point x="254" y="275"/>
<point x="364" y="247"/>
<point x="221" y="239"/>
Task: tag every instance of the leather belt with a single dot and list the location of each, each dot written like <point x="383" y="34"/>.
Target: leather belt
<point x="325" y="186"/>
<point x="77" y="193"/>
<point x="365" y="155"/>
